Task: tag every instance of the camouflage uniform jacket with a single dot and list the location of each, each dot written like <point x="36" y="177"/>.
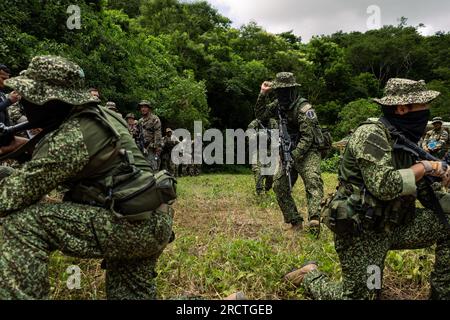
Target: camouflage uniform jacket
<point x="303" y="124"/>
<point x="150" y="129"/>
<point x="134" y="131"/>
<point x="15" y="113"/>
<point x="439" y="136"/>
<point x="169" y="143"/>
<point x="371" y="162"/>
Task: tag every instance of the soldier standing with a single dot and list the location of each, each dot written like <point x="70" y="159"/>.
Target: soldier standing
<point x="95" y="93"/>
<point x="112" y="106"/>
<point x="436" y="140"/>
<point x="263" y="183"/>
<point x="195" y="169"/>
<point x="150" y="134"/>
<point x="374" y="210"/>
<point x="109" y="211"/>
<point x="132" y="126"/>
<point x="306" y="137"/>
<point x="169" y="142"/>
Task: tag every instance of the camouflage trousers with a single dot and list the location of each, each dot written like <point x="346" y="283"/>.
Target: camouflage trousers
<point x="194" y="170"/>
<point x="359" y="255"/>
<point x="262" y="183"/>
<point x="130" y="249"/>
<point x="167" y="164"/>
<point x="309" y="170"/>
<point x="154" y="160"/>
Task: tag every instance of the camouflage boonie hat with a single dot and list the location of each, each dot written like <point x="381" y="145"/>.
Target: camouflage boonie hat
<point x="145" y="103"/>
<point x="112" y="106"/>
<point x="404" y="92"/>
<point x="169" y="130"/>
<point x="285" y="80"/>
<point x="438" y="120"/>
<point x="52" y="78"/>
<point x="130" y="116"/>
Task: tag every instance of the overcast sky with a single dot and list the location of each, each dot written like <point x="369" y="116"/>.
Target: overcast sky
<point x="315" y="17"/>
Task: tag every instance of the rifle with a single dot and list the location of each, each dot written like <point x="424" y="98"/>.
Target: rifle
<point x="285" y="148"/>
<point x="141" y="140"/>
<point x="403" y="143"/>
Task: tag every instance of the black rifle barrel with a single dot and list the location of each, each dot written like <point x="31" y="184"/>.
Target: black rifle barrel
<point x="285" y="146"/>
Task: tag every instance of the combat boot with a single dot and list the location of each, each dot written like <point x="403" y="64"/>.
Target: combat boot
<point x="314" y="227"/>
<point x="297" y="226"/>
<point x="296" y="277"/>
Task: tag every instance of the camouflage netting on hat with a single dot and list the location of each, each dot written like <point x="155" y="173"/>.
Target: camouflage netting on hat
<point x="405" y="92"/>
<point x="52" y="78"/>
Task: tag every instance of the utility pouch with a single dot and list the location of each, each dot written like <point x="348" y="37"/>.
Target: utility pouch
<point x="340" y="217"/>
<point x="156" y="191"/>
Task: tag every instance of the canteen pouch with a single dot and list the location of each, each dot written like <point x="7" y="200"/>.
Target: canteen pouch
<point x="340" y="217"/>
<point x="156" y="191"/>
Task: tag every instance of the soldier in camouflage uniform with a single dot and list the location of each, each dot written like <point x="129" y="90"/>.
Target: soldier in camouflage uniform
<point x="169" y="142"/>
<point x="132" y="126"/>
<point x="195" y="169"/>
<point x="436" y="140"/>
<point x="112" y="106"/>
<point x="150" y="133"/>
<point x="305" y="132"/>
<point x="87" y="149"/>
<point x="263" y="183"/>
<point x="374" y="210"/>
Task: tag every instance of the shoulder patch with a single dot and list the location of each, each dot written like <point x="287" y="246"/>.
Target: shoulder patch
<point x="311" y="114"/>
<point x="376" y="146"/>
<point x="306" y="107"/>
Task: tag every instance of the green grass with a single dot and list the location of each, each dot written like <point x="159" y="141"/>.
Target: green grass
<point x="229" y="239"/>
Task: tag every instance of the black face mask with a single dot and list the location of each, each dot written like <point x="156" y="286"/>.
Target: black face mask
<point x="412" y="125"/>
<point x="50" y="115"/>
<point x="285" y="96"/>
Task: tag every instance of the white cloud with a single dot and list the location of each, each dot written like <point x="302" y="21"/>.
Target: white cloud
<point x="314" y="17"/>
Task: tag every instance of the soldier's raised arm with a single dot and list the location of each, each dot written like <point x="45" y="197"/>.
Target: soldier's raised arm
<point x="265" y="107"/>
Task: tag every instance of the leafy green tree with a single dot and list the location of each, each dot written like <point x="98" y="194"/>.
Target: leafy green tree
<point x="328" y="113"/>
<point x="440" y="108"/>
<point x="330" y="68"/>
<point x="355" y="113"/>
<point x="364" y="85"/>
<point x="184" y="102"/>
<point x="130" y="7"/>
<point x="167" y="16"/>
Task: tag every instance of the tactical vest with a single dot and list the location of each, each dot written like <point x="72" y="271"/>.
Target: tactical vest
<point x="353" y="209"/>
<point x="302" y="105"/>
<point x="117" y="176"/>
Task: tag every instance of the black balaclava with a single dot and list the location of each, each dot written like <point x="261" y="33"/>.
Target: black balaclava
<point x="412" y="124"/>
<point x="286" y="97"/>
<point x="48" y="116"/>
